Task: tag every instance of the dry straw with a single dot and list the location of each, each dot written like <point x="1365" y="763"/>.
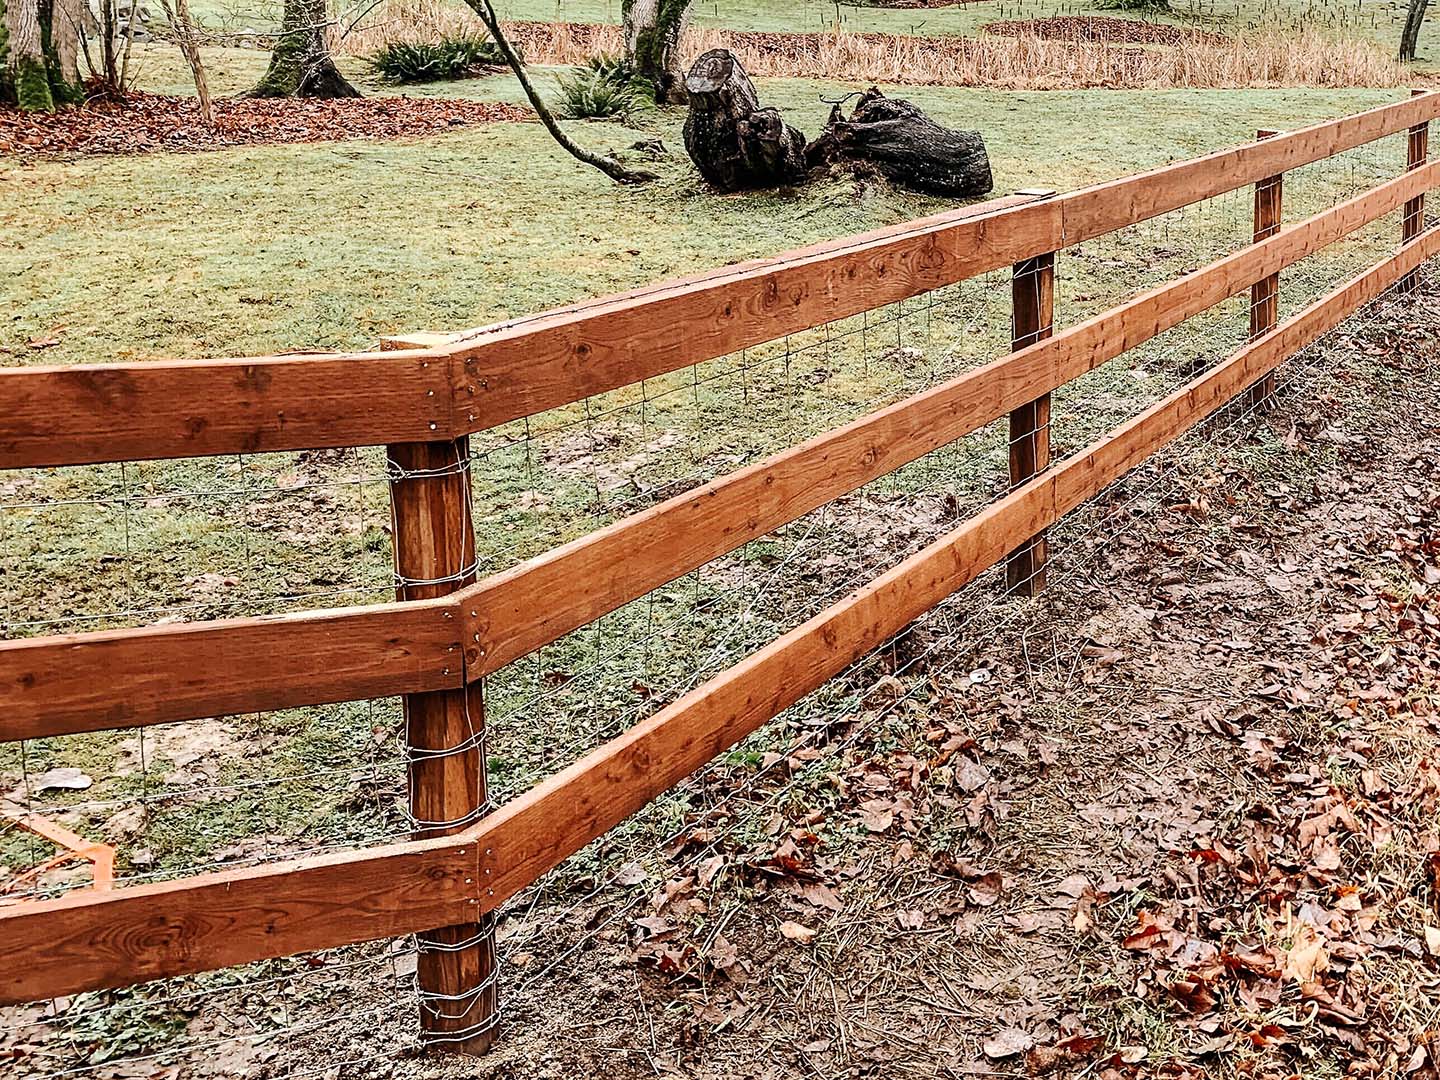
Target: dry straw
<point x="1023" y="62"/>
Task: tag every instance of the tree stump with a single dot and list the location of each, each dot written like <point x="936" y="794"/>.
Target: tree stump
<point x="905" y="146"/>
<point x="736" y="144"/>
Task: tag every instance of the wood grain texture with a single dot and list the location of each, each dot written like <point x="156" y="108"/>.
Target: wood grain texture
<point x="521" y="609"/>
<point x="1106" y="207"/>
<point x="1032" y="298"/>
<point x="71" y="944"/>
<point x="1412" y="221"/>
<point x="90" y="413"/>
<point x="87" y="941"/>
<point x="552" y="360"/>
<point x="1265" y="293"/>
<point x="156" y="674"/>
<point x="121" y="412"/>
<point x="434" y="549"/>
<point x="535" y="832"/>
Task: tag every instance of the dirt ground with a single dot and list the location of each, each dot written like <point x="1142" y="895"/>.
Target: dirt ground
<point x="1178" y="821"/>
<point x="1174" y="819"/>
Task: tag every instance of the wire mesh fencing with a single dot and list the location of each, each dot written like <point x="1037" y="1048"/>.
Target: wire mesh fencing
<point x="103" y="547"/>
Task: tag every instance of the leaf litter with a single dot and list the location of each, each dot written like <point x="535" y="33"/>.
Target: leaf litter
<point x="144" y="122"/>
<point x="1186" y="826"/>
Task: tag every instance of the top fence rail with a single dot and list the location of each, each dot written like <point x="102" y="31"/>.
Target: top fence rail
<point x="92" y="414"/>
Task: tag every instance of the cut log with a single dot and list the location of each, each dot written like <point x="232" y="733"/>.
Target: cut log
<point x="736" y="144"/>
<point x="905" y="146"/>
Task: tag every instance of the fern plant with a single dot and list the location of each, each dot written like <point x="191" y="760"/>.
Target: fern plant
<point x="452" y="57"/>
<point x="591" y="93"/>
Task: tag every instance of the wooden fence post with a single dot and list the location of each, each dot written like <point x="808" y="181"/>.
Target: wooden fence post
<point x="1032" y="293"/>
<point x="1265" y="293"/>
<point x="1413" y="220"/>
<point x="434" y="542"/>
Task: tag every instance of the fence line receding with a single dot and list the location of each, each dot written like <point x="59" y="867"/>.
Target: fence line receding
<point x="577" y="628"/>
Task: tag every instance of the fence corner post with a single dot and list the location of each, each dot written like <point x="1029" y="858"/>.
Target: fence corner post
<point x="1265" y="293"/>
<point x="434" y="542"/>
<point x="1032" y="292"/>
<point x="1412" y="222"/>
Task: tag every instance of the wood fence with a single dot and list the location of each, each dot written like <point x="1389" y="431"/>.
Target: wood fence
<point x="447" y="630"/>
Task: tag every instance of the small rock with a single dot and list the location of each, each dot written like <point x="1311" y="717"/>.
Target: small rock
<point x="62" y="779"/>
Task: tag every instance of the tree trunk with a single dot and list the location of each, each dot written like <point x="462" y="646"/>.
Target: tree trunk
<point x="26" y="77"/>
<point x="300" y="63"/>
<point x="7" y="72"/>
<point x="652" y="44"/>
<point x="733" y="141"/>
<point x="188" y="40"/>
<point x="1410" y="35"/>
<point x="109" y="62"/>
<point x="906" y="146"/>
<point x="61" y="25"/>
<point x="39" y="52"/>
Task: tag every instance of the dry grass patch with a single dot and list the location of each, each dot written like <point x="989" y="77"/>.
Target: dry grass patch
<point x="1026" y="61"/>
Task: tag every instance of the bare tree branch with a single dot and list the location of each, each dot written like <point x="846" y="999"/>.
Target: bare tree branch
<point x="617" y="171"/>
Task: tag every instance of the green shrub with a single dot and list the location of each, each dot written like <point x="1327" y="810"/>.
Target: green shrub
<point x="448" y="58"/>
<point x="592" y="93"/>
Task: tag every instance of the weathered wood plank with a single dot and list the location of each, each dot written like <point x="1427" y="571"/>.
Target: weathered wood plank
<point x="210" y="921"/>
<point x="155" y="674"/>
<point x="88" y="941"/>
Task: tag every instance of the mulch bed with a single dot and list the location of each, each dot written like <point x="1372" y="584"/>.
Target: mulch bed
<point x="1105" y="30"/>
<point x="147" y="122"/>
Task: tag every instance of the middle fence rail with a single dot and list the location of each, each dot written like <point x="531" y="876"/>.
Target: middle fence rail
<point x="450" y="627"/>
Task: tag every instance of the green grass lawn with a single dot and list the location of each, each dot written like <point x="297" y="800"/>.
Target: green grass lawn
<point x="331" y="245"/>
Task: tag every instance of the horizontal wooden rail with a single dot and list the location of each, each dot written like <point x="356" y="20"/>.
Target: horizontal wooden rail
<point x="115" y="412"/>
<point x="89" y="941"/>
<point x="85" y="414"/>
<point x="156" y="674"/>
<point x="535" y="832"/>
<point x="218" y="920"/>
<point x="513" y="613"/>
<point x="47" y="685"/>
